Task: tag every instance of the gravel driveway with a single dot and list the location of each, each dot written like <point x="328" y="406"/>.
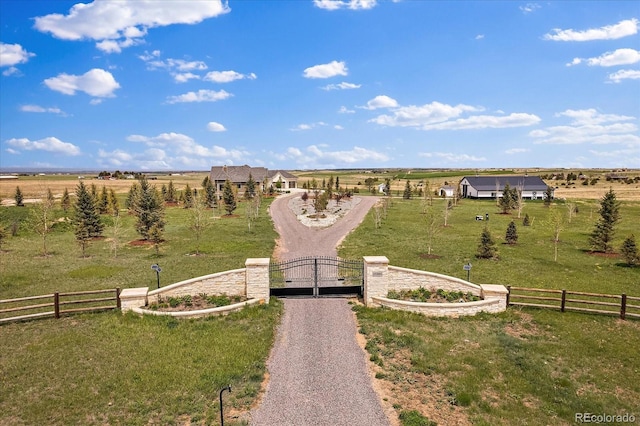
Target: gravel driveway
<point x="318" y="373"/>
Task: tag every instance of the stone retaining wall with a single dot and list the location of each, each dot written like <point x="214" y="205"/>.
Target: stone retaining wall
<point x="380" y="278"/>
<point x="411" y="279"/>
<point x="442" y="309"/>
<point x="231" y="283"/>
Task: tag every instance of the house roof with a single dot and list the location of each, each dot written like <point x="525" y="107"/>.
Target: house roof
<point x="284" y="174"/>
<point x="488" y="183"/>
<point x="238" y="173"/>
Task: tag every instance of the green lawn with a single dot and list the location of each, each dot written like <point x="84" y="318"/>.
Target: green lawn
<point x="522" y="367"/>
<point x="112" y="369"/>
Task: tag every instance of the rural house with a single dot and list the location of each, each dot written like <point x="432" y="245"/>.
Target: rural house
<point x="239" y="176"/>
<point x="533" y="187"/>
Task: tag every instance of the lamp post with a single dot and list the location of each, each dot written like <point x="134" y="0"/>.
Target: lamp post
<point x="221" y="410"/>
<point x="157" y="268"/>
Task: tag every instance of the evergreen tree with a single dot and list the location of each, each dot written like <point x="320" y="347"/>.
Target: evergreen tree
<point x="407" y="191"/>
<point x="250" y="190"/>
<point x="228" y="197"/>
<point x="113" y="206"/>
<point x="209" y="192"/>
<point x="171" y="193"/>
<point x="19" y="197"/>
<point x="103" y="202"/>
<point x="630" y="251"/>
<point x="188" y="197"/>
<point x="602" y="236"/>
<point x="526" y="221"/>
<point x="149" y="210"/>
<point x="512" y="233"/>
<point x="548" y="196"/>
<point x="65" y="202"/>
<point x="487" y="247"/>
<point x="86" y="219"/>
<point x="337" y="183"/>
<point x="132" y="197"/>
<point x="3" y="235"/>
<point x="509" y="198"/>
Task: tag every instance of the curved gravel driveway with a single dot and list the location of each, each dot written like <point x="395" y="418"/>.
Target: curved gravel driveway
<point x="318" y="373"/>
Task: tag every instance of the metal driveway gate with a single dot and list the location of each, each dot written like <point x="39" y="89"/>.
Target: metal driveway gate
<point x="316" y="276"/>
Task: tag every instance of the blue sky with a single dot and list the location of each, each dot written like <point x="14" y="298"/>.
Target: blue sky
<point x="189" y="84"/>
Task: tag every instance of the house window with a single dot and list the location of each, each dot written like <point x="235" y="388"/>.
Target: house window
<point x="534" y="195"/>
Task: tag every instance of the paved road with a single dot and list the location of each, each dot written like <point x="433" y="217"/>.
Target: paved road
<point x="318" y="373"/>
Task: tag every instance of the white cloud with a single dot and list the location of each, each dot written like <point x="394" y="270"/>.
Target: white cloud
<point x="451" y="157"/>
<point x="342" y="86"/>
<point x="227" y="76"/>
<point x="123" y="23"/>
<point x="331" y="69"/>
<point x="200" y="96"/>
<point x="185" y="77"/>
<point x="344" y="110"/>
<point x="610" y="32"/>
<point x="50" y="144"/>
<point x="38" y="108"/>
<point x="215" y="127"/>
<point x="530" y="7"/>
<point x="486" y="121"/>
<point x="418" y="116"/>
<point x="590" y="126"/>
<point x="308" y="126"/>
<point x="517" y="151"/>
<point x="13" y="54"/>
<point x="439" y="116"/>
<point x="618" y="76"/>
<point x="338" y="127"/>
<point x="181" y="145"/>
<point x="96" y="82"/>
<point x="479" y="36"/>
<point x="610" y="59"/>
<point x="381" y="101"/>
<point x="318" y="156"/>
<point x="345" y="4"/>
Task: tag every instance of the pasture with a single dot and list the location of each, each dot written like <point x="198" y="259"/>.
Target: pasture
<point x="525" y="366"/>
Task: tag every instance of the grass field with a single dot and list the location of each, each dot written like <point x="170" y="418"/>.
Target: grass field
<point x="522" y="367"/>
<point x="113" y="369"/>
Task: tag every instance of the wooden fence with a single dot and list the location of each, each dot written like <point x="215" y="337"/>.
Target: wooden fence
<point x="58" y="304"/>
<point x="609" y="304"/>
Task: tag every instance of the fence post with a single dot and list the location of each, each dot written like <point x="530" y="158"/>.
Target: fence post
<point x="564" y="300"/>
<point x="623" y="306"/>
<point x="118" y="298"/>
<point x="508" y="294"/>
<point x="56" y="304"/>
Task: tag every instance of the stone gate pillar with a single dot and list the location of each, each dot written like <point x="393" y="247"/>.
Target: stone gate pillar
<point x="257" y="278"/>
<point x="376" y="275"/>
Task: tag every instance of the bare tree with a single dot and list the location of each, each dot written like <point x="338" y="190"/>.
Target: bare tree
<point x="377" y="215"/>
<point x="571" y="210"/>
<point x="198" y="219"/>
<point x="556" y="224"/>
<point x="519" y="199"/>
<point x="116" y="228"/>
<point x="445" y="214"/>
<point x="432" y="226"/>
<point x="42" y="219"/>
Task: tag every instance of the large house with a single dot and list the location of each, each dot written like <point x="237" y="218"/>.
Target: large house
<point x="264" y="178"/>
<point x="533" y="187"/>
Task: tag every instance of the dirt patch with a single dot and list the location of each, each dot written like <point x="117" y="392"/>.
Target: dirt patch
<point x="140" y="243"/>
